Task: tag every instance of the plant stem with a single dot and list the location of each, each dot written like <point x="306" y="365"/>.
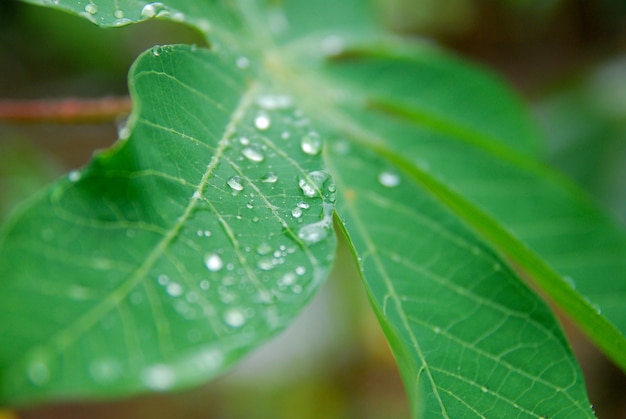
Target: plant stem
<point x="66" y="111"/>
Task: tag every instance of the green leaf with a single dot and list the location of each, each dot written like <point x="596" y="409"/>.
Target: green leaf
<point x="176" y="252"/>
<point x="469" y="337"/>
<point x="441" y="195"/>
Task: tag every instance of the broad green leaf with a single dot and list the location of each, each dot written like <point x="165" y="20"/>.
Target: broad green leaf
<point x="176" y="252"/>
<point x="470" y="338"/>
<point x="512" y="195"/>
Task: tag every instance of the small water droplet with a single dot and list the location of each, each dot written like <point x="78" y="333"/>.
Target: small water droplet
<point x="389" y="179"/>
<point x="296" y="212"/>
<point x="204" y="285"/>
<point x="262" y="121"/>
<point x="38" y="372"/>
<point x="253" y="153"/>
<point x="297" y="289"/>
<point x="273" y="102"/>
<point x="118" y="14"/>
<point x="235" y="183"/>
<point x="484" y="389"/>
<point x="174" y="289"/>
<point x="263" y="248"/>
<point x="158" y="377"/>
<point x="285" y="135"/>
<point x="243" y="62"/>
<point x="311" y="143"/>
<point x="91" y="8"/>
<point x="266" y="264"/>
<point x="300" y="270"/>
<point x="288" y="279"/>
<point x="234" y="317"/>
<point x="269" y="178"/>
<point x="163" y="279"/>
<point x="244" y="141"/>
<point x="332" y="45"/>
<point x="156" y="51"/>
<point x="74" y="176"/>
<point x="213" y="262"/>
<point x="307" y="188"/>
<point x="437" y="329"/>
<point x="303" y="205"/>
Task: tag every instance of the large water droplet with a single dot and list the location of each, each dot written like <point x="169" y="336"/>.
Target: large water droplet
<point x="234" y="317"/>
<point x="389" y="179"/>
<point x="91" y="8"/>
<point x="213" y="262"/>
<point x="262" y="121"/>
<point x="156" y="9"/>
<point x="296" y="212"/>
<point x="159" y="377"/>
<point x="235" y="183"/>
<point x="307" y="188"/>
<point x="311" y="143"/>
<point x="253" y="153"/>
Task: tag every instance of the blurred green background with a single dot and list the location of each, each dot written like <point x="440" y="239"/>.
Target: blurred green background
<point x="567" y="58"/>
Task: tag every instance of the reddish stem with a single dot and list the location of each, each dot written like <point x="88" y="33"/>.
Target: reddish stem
<point x="67" y="111"/>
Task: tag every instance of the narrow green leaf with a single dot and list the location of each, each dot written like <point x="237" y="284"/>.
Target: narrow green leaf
<point x="175" y="253"/>
<point x="470" y="338"/>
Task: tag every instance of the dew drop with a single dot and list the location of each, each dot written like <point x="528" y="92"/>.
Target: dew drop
<point x="244" y="141"/>
<point x="38" y="373"/>
<point x="303" y="205"/>
<point x="269" y="178"/>
<point x="243" y="62"/>
<point x="484" y="389"/>
<point x="263" y="249"/>
<point x="274" y="102"/>
<point x="119" y="14"/>
<point x="389" y="179"/>
<point x="158" y="377"/>
<point x="235" y="183"/>
<point x="253" y="154"/>
<point x="266" y="264"/>
<point x="156" y="9"/>
<point x="307" y="188"/>
<point x="311" y="143"/>
<point x="262" y="121"/>
<point x="234" y="317"/>
<point x="285" y="135"/>
<point x="174" y="289"/>
<point x="288" y="279"/>
<point x="313" y="233"/>
<point x="300" y="270"/>
<point x="74" y="176"/>
<point x="163" y="279"/>
<point x="332" y="45"/>
<point x="204" y="285"/>
<point x="91" y="8"/>
<point x="296" y="212"/>
<point x="156" y="51"/>
<point x="213" y="262"/>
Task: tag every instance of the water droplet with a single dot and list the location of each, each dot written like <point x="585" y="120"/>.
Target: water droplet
<point x="266" y="264"/>
<point x="303" y="205"/>
<point x="274" y="102"/>
<point x="285" y="135"/>
<point x="313" y="233"/>
<point x="300" y="270"/>
<point x="74" y="176"/>
<point x="269" y="178"/>
<point x="307" y="188"/>
<point x="105" y="370"/>
<point x="204" y="285"/>
<point x="297" y="289"/>
<point x="119" y="14"/>
<point x="158" y="377"/>
<point x="235" y="183"/>
<point x="234" y="317"/>
<point x="296" y="212"/>
<point x="91" y="8"/>
<point x="243" y="62"/>
<point x="332" y="187"/>
<point x="437" y="329"/>
<point x="311" y="143"/>
<point x="174" y="289"/>
<point x="389" y="179"/>
<point x="213" y="262"/>
<point x="484" y="389"/>
<point x="253" y="153"/>
<point x="332" y="45"/>
<point x="263" y="249"/>
<point x="244" y="141"/>
<point x="288" y="279"/>
<point x="38" y="372"/>
<point x="156" y="9"/>
<point x="156" y="51"/>
<point x="262" y="121"/>
<point x="163" y="279"/>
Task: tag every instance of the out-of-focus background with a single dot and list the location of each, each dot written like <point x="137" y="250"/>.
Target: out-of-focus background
<point x="567" y="58"/>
